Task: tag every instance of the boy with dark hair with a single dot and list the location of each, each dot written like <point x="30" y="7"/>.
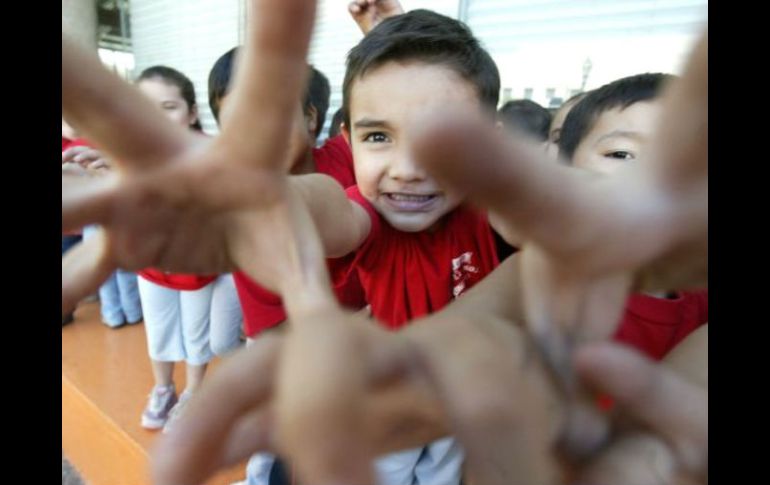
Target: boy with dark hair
<point x="627" y="102"/>
<point x="610" y="127"/>
<point x="408" y="64"/>
<point x="415" y="245"/>
<point x="526" y="116"/>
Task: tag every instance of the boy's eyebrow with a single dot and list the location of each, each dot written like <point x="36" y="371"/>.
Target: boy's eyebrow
<point x="620" y="134"/>
<point x="370" y="123"/>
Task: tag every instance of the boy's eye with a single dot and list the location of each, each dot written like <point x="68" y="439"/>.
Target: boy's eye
<point x="377" y="137"/>
<point x="620" y="155"/>
<point x="169" y="106"/>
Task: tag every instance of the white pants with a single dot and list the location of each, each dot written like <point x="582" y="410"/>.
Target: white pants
<point x="226" y="316"/>
<point x="437" y="463"/>
<point x="177" y="322"/>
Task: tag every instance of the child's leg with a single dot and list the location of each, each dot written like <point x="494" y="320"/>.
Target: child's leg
<point x="162" y="398"/>
<point x="441" y="464"/>
<point x="165" y="346"/>
<point x="194" y="375"/>
<point x="226" y="316"/>
<point x="67" y="242"/>
<point x="162" y="321"/>
<point x="109" y="298"/>
<point x="129" y="295"/>
<point x="195" y="311"/>
<point x="163" y="372"/>
<point x="110" y="307"/>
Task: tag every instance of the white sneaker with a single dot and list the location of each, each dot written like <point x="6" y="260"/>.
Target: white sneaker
<point x="162" y="399"/>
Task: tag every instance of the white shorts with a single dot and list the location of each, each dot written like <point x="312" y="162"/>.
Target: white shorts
<point x="226" y="316"/>
<point x="177" y="322"/>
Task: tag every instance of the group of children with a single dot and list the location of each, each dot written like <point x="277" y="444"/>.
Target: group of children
<point x="400" y="246"/>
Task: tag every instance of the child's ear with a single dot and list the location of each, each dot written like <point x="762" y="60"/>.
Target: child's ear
<point x="193" y="114"/>
<point x="311" y="120"/>
<point x="345" y="132"/>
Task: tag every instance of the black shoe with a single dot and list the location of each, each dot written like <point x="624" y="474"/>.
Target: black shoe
<point x="67" y="319"/>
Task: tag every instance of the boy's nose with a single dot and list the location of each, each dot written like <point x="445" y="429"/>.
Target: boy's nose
<point x="406" y="170"/>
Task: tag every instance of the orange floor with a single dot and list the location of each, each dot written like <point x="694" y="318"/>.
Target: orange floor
<point x="106" y="377"/>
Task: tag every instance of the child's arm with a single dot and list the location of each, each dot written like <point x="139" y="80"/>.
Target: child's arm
<point x="341" y="223"/>
<point x="368" y="13"/>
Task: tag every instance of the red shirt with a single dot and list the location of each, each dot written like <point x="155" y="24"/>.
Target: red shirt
<point x="263" y="309"/>
<point x="77" y="142"/>
<point x="655" y="325"/>
<point x="406" y="275"/>
<point x="176" y="281"/>
<point x="335" y="159"/>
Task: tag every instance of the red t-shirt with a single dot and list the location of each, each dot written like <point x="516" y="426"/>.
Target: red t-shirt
<point x="335" y="159"/>
<point x="263" y="309"/>
<point x="406" y="275"/>
<point x="77" y="142"/>
<point x="655" y="325"/>
<point x="176" y="281"/>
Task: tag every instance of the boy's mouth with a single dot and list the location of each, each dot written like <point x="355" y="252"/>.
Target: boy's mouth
<point x="410" y="202"/>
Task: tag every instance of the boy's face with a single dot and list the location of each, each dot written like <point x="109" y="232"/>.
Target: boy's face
<point x="383" y="104"/>
<point x="618" y="137"/>
<point x="168" y="98"/>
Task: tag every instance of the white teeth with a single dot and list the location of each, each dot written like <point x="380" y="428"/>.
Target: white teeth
<point x="410" y="197"/>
